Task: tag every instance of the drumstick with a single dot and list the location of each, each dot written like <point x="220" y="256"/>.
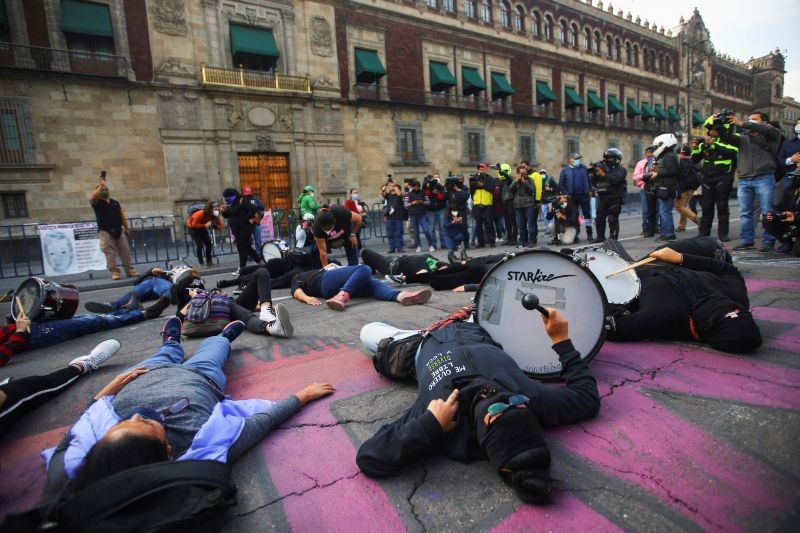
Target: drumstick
<point x="632" y="266"/>
<point x="20" y="310"/>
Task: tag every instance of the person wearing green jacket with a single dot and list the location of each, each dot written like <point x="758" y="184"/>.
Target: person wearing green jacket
<point x="307" y="202"/>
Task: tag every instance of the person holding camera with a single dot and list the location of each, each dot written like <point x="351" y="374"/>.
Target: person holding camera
<point x="523" y="196"/>
<point x="756" y="166"/>
<point x="394" y="213"/>
<point x="483" y="188"/>
<point x="789" y="154"/>
<point x="564" y="216"/>
<point x="783" y="222"/>
<point x="505" y="180"/>
<point x="436" y="193"/>
<point x="456" y="231"/>
<point x="574" y="181"/>
<point x="249" y="196"/>
<point x="240" y="213"/>
<point x="550" y="190"/>
<point x="716" y="167"/>
<point x="609" y="178"/>
<point x="663" y="183"/>
<point x="416" y="203"/>
<point x="112" y="226"/>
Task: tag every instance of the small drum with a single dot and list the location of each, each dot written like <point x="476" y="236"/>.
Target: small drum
<point x="42" y="300"/>
<point x="179" y="274"/>
<point x="560" y="281"/>
<point x="273" y="250"/>
<point x="620" y="289"/>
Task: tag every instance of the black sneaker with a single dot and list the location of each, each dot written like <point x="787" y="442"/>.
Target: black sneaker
<point x="171" y="330"/>
<point x="100" y="308"/>
<point x="451" y="257"/>
<point x="668" y="238"/>
<point x="554" y="242"/>
<point x="233" y="330"/>
<point x="155" y="310"/>
<point x="133" y="303"/>
<point x="742" y="246"/>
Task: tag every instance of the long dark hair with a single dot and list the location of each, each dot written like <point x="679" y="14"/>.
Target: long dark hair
<point x="108" y="457"/>
<point x="208" y="210"/>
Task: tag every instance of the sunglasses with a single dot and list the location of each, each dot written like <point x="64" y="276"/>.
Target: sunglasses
<point x="516" y="400"/>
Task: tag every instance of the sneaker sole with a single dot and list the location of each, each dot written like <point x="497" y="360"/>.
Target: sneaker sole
<point x="335" y="305"/>
<point x="95" y="307"/>
<point x="419" y="298"/>
<point x="285" y="322"/>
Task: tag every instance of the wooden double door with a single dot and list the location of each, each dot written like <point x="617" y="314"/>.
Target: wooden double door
<point x="268" y="175"/>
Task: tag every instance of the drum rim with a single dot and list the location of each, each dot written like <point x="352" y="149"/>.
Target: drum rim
<point x="40" y="298"/>
<point x="581" y="264"/>
<point x="274" y="243"/>
<point x="630" y="274"/>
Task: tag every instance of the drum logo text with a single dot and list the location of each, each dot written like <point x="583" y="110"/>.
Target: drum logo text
<point x="533" y="277"/>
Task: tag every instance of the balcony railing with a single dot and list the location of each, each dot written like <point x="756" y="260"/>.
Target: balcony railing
<point x="253" y="79"/>
<point x="65" y="61"/>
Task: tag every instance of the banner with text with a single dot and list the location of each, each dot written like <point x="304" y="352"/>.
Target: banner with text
<point x="70" y="248"/>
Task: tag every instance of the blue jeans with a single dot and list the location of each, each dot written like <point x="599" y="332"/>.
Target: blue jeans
<point x="762" y="186"/>
<point x="643" y="204"/>
<point x="53" y="332"/>
<point x="150" y="289"/>
<point x="257" y="236"/>
<point x="208" y="359"/>
<point x="526" y="222"/>
<point x="416" y="222"/>
<point x="350" y="253"/>
<point x="394" y="231"/>
<point x="356" y="281"/>
<point x="665" y="214"/>
<point x="455" y="234"/>
<point x="437" y="219"/>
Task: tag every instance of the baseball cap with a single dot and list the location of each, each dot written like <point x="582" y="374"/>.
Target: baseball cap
<point x="309" y="188"/>
<point x="247" y="190"/>
<point x="482" y="165"/>
<point x="574" y="155"/>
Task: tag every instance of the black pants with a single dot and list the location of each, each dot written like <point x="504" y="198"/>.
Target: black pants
<point x="25" y="394"/>
<point x="202" y="243"/>
<point x="484" y="223"/>
<point x="716" y="191"/>
<point x="245" y="250"/>
<point x="258" y="289"/>
<point x="511" y="222"/>
<point x="781" y="232"/>
<point x="652" y="213"/>
<point x="609" y="208"/>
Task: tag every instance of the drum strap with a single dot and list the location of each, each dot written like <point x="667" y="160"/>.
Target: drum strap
<point x="458" y="315"/>
<point x="693" y="330"/>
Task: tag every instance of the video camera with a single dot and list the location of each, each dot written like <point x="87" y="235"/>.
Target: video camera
<point x="721" y="118"/>
<point x="451" y="182"/>
<point x="780" y="217"/>
<point x="595" y="167"/>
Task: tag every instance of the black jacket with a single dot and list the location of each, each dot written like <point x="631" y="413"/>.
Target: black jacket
<point x="757" y="153"/>
<point x="450" y="358"/>
<point x="613" y="184"/>
<point x="239" y="215"/>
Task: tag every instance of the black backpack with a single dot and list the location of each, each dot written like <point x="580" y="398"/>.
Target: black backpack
<point x="190" y="496"/>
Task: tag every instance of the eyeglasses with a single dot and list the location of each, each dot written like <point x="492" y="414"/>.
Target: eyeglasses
<point x="516" y="400"/>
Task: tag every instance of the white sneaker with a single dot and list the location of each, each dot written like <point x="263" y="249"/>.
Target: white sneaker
<point x="97" y="356"/>
<point x="235" y="273"/>
<point x="267" y="313"/>
<point x="418" y="250"/>
<point x="282" y="325"/>
<point x="431" y="248"/>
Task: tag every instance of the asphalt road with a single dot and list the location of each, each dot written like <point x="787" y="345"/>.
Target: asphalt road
<point x="687" y="438"/>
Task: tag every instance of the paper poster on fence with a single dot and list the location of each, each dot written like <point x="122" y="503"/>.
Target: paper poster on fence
<point x="70" y="248"/>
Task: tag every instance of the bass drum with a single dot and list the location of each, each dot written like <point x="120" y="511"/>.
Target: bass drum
<point x="620" y="289"/>
<point x="42" y="300"/>
<point x="560" y="281"/>
<point x="273" y="250"/>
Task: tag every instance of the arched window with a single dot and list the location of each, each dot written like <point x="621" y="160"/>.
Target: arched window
<point x="486" y="11"/>
<point x="596" y="47"/>
<point x="548" y="27"/>
<point x="587" y="39"/>
<point x="536" y="24"/>
<point x="562" y="32"/>
<point x="609" y="47"/>
<point x="778" y="91"/>
<point x="617" y="49"/>
<point x="505" y="15"/>
<point x="661" y="63"/>
<point x="652" y="60"/>
<point x="628" y="54"/>
<point x="573" y="35"/>
<point x="519" y="19"/>
<point x="471" y="8"/>
<point x="635" y="55"/>
<point x="668" y="65"/>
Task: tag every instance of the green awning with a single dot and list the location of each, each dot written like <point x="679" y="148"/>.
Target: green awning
<point x="500" y="86"/>
<point x="472" y="81"/>
<point x="85" y="18"/>
<point x="3" y="16"/>
<point x="660" y="114"/>
<point x="253" y="41"/>
<point x="697" y="118"/>
<point x="633" y="109"/>
<point x="441" y="78"/>
<point x="368" y="66"/>
<point x="673" y="115"/>
<point x="647" y="111"/>
<point x="595" y="102"/>
<point x="571" y="97"/>
<point x="543" y="93"/>
<point x="614" y="106"/>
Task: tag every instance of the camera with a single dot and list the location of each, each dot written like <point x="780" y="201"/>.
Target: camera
<point x="721" y="118"/>
<point x="103" y="174"/>
<point x="595" y="167"/>
<point x="451" y="182"/>
<point x="780" y="217"/>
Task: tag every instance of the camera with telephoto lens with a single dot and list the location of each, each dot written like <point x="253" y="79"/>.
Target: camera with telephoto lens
<point x="451" y="182"/>
<point x="721" y="118"/>
<point x="595" y="167"/>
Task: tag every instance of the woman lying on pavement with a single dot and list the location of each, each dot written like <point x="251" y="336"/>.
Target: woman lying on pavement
<point x="338" y="284"/>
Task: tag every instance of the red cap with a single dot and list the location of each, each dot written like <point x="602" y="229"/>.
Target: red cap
<point x="484" y="165"/>
<point x="247" y="190"/>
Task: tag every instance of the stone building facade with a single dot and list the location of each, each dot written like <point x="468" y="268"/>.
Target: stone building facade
<point x="178" y="99"/>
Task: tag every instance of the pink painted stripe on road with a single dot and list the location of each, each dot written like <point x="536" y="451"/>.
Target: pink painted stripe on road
<point x="788" y="341"/>
<point x="760" y="284"/>
<point x="567" y="514"/>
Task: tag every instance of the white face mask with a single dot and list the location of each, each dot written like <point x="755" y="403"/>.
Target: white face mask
<point x="563" y="205"/>
<point x="455" y="213"/>
<point x="797" y="129"/>
<point x="215" y="212"/>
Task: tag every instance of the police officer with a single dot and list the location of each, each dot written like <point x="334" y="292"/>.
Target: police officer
<point x="609" y="181"/>
<point x="716" y="167"/>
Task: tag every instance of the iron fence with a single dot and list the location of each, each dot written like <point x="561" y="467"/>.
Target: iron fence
<point x="18" y="56"/>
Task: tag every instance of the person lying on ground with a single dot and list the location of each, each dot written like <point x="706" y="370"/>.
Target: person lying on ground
<point x="154" y="284"/>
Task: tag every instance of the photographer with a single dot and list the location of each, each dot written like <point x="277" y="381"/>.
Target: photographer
<point x="550" y="190"/>
<point x="609" y="178"/>
<point x="505" y="180"/>
<point x="783" y="222"/>
<point x="523" y="195"/>
<point x="716" y="167"/>
<point x="483" y="188"/>
<point x="564" y="215"/>
<point x="434" y="190"/>
<point x="415" y="203"/>
<point x="663" y="182"/>
<point x="395" y="214"/>
<point x="456" y="213"/>
<point x="756" y="167"/>
<point x="112" y="227"/>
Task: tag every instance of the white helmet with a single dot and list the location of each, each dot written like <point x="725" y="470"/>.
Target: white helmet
<point x="308" y="217"/>
<point x="664" y="142"/>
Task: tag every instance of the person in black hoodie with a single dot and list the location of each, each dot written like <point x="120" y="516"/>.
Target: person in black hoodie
<point x="784" y="221"/>
<point x="698" y="295"/>
<point x="609" y="182"/>
<point x="155" y="284"/>
<point x="241" y="215"/>
<point x="416" y="202"/>
<point x="474" y="402"/>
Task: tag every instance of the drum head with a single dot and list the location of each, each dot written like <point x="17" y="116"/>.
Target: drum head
<point x="561" y="282"/>
<point x="31" y="295"/>
<point x="271" y="250"/>
<point x="620" y="289"/>
<point x="178" y="274"/>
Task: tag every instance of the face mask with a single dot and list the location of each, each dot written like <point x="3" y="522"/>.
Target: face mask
<point x="577" y="162"/>
<point x="797" y="129"/>
<point x="215" y="212"/>
<point x="455" y="213"/>
<point x="563" y="205"/>
<point x="230" y="199"/>
<point x="354" y="196"/>
<point x="104" y="194"/>
<point x="328" y="232"/>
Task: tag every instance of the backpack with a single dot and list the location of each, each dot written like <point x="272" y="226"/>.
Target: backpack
<point x="181" y="496"/>
<point x="194" y="208"/>
<point x="208" y="313"/>
<point x="394" y="359"/>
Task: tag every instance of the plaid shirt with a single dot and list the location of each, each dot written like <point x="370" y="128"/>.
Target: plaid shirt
<point x="11" y="342"/>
